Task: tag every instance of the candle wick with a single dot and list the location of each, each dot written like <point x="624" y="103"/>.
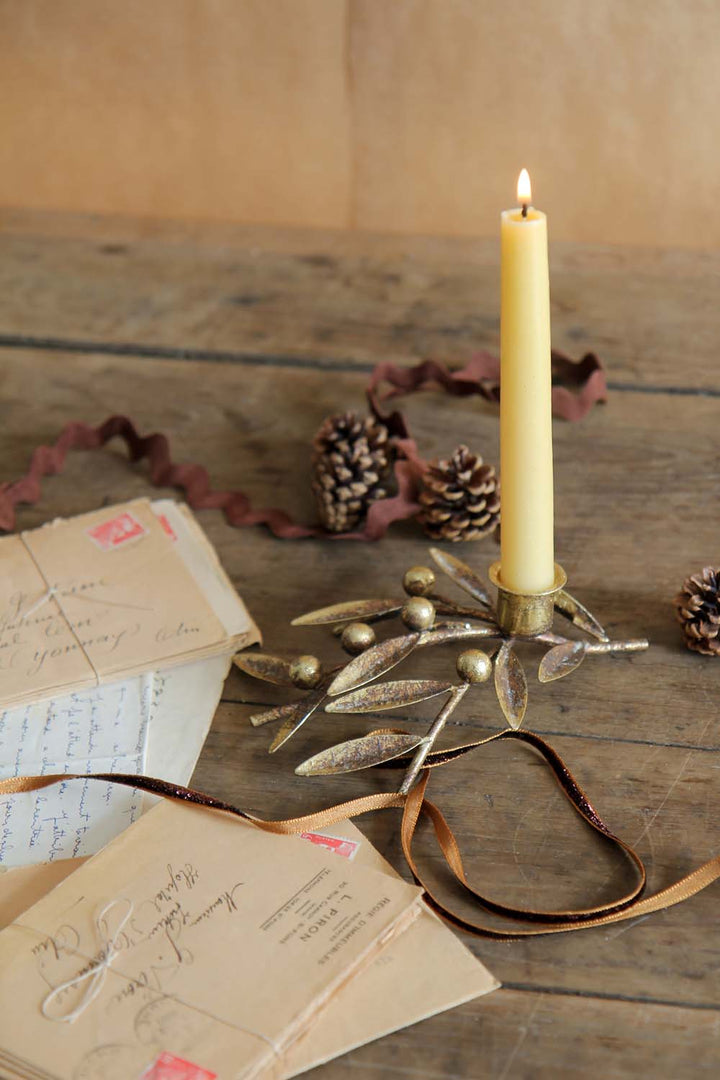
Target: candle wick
<point x="524" y="209"/>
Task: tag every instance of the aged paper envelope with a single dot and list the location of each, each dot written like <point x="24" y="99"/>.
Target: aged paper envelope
<point x="424" y="971"/>
<point x="110" y="594"/>
<point x="151" y="722"/>
<point x="184" y="702"/>
<point x="229" y="942"/>
<point x="23" y="886"/>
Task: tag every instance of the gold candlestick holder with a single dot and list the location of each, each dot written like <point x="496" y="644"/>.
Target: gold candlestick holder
<point x="430" y="619"/>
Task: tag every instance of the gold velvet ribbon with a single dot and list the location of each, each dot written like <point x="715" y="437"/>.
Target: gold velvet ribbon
<point x="414" y="805"/>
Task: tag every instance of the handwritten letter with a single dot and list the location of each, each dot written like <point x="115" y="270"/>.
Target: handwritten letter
<point x="99" y="730"/>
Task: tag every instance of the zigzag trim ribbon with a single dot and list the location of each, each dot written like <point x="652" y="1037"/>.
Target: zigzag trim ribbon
<point x="480" y="376"/>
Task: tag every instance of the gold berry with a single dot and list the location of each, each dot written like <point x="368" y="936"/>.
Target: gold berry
<point x="305" y="672"/>
<point x="418" y="580"/>
<point x="357" y="637"/>
<point x="418" y="613"/>
<point x="474" y="666"/>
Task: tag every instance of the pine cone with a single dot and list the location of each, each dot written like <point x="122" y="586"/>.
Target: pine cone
<point x="350" y="461"/>
<point x="699" y="611"/>
<point x="460" y="498"/>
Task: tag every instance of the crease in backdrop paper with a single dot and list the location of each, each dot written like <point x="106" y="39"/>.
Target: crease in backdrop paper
<point x="236" y="940"/>
<point x="424" y="971"/>
<point x="153" y="722"/>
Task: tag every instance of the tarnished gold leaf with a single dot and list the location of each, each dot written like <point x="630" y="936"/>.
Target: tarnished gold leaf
<point x="389" y="695"/>
<point x="278" y="712"/>
<point x="510" y="684"/>
<point x="561" y="660"/>
<point x="303" y="711"/>
<point x="349" y="611"/>
<point x="272" y="669"/>
<point x="579" y="616"/>
<point x="456" y="632"/>
<point x="373" y="749"/>
<point x="372" y="663"/>
<point x="462" y="575"/>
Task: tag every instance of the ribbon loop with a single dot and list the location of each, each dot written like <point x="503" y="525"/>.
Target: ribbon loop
<point x="414" y="805"/>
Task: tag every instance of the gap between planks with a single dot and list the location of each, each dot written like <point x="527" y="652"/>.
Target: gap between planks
<point x="225" y="356"/>
<point x="559" y="991"/>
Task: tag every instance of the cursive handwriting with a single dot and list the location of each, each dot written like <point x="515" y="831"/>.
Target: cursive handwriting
<point x="112" y="639"/>
<point x="166" y="633"/>
<point x="171" y="935"/>
<point x="226" y="901"/>
<point x="161" y="935"/>
<point x="186" y="877"/>
<point x="13" y="618"/>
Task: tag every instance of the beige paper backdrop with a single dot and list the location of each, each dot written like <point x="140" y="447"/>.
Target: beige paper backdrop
<point x="409" y="115"/>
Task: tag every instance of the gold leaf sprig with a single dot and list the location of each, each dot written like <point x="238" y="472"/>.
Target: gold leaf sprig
<point x="430" y="619"/>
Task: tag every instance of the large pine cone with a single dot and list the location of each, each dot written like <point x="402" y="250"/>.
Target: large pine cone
<point x="460" y="498"/>
<point x="699" y="611"/>
<point x="351" y="460"/>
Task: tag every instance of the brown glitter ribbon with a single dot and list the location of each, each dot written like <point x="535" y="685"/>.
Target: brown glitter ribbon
<point x="480" y="376"/>
<point x="414" y="805"/>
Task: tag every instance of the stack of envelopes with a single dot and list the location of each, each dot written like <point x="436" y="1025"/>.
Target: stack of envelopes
<point x="232" y="953"/>
<point x="117" y="629"/>
<point x="192" y="945"/>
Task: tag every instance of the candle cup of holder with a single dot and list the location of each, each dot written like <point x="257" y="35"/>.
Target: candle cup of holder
<point x="526" y="614"/>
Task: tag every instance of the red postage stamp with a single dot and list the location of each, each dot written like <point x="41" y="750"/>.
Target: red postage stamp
<point x="337" y="844"/>
<point x="168" y="1067"/>
<point x="167" y="527"/>
<point x="116" y="531"/>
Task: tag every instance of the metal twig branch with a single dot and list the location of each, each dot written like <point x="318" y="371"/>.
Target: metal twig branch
<point x="430" y="619"/>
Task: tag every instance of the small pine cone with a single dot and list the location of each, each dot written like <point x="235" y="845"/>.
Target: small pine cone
<point x="460" y="498"/>
<point x="351" y="459"/>
<point x="698" y="609"/>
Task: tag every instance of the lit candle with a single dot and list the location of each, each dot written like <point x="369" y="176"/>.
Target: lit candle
<point x="526" y="464"/>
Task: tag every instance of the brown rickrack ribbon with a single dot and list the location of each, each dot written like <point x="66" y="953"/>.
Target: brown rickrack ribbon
<point x="577" y="386"/>
<point x="630" y="906"/>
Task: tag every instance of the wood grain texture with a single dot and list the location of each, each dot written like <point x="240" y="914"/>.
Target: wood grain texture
<point x="252" y="426"/>
<point x="522" y="845"/>
<point x="637" y="484"/>
<point x="551" y="1038"/>
<point x="346" y="300"/>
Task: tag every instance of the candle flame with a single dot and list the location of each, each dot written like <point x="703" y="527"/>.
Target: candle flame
<point x="524" y="191"/>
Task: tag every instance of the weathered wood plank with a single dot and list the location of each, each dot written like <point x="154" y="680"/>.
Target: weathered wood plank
<point x="636" y="485"/>
<point x="633" y="496"/>
<point x="523" y="845"/>
<point x="512" y="1035"/>
<point x="347" y="298"/>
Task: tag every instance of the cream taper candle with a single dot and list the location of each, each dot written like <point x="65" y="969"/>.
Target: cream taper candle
<point x="526" y="463"/>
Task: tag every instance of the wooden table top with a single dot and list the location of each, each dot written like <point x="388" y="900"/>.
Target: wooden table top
<point x="237" y="343"/>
